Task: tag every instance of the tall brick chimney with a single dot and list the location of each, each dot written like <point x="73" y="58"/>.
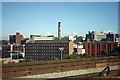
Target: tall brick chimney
<point x="59" y="31"/>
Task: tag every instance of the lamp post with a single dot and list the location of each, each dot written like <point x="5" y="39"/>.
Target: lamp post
<point x="61" y="49"/>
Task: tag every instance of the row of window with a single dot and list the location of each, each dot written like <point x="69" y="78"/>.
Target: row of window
<point x="52" y="41"/>
<point x="45" y="47"/>
<point x="43" y="56"/>
<point x="63" y="44"/>
<point x="103" y="46"/>
<point x="44" y="53"/>
<point x="39" y="51"/>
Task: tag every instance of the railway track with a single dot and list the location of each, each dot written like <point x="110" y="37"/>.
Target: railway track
<point x="42" y="67"/>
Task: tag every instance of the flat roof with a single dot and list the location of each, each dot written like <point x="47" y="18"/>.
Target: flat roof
<point x="49" y="41"/>
<point x="101" y="42"/>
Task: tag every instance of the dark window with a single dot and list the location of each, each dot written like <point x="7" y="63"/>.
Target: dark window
<point x="88" y="46"/>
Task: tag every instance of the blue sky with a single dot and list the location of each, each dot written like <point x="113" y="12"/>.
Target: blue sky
<point x="41" y="18"/>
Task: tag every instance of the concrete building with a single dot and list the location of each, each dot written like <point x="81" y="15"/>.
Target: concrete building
<point x="16" y="39"/>
<point x="111" y="36"/>
<point x="17" y="55"/>
<point x="79" y="48"/>
<point x="94" y="36"/>
<point x="95" y="48"/>
<point x="118" y="41"/>
<point x="100" y="36"/>
<point x="24" y="41"/>
<point x="8" y="49"/>
<point x="72" y="38"/>
<point x="48" y="49"/>
<point x="40" y="37"/>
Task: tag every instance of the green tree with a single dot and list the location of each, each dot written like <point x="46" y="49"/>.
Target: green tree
<point x="4" y="42"/>
<point x="103" y="54"/>
<point x="86" y="55"/>
<point x="81" y="55"/>
<point x="65" y="56"/>
<point x="114" y="54"/>
<point x="74" y="56"/>
<point x="70" y="56"/>
<point x="29" y="59"/>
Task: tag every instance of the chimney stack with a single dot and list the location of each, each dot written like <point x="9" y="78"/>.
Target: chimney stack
<point x="59" y="31"/>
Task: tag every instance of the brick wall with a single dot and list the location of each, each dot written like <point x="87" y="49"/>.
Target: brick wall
<point x="95" y="48"/>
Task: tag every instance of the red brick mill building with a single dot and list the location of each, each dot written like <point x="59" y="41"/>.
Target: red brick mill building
<point x="16" y="39"/>
<point x="94" y="48"/>
<point x="42" y="50"/>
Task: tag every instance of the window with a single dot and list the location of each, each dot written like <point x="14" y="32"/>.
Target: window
<point x="109" y="47"/>
<point x="98" y="45"/>
<point x="93" y="46"/>
<point x="103" y="46"/>
<point x="88" y="46"/>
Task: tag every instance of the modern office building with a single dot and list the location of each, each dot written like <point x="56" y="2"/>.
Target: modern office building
<point x="48" y="49"/>
<point x="16" y="39"/>
<point x="95" y="48"/>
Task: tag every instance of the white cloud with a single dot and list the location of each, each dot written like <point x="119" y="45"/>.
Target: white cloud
<point x="72" y="34"/>
<point x="43" y="34"/>
<point x="110" y="31"/>
<point x="48" y="33"/>
<point x="68" y="33"/>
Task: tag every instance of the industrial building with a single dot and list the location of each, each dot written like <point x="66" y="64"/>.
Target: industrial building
<point x="16" y="39"/>
<point x="94" y="48"/>
<point x="48" y="49"/>
<point x="79" y="48"/>
<point x="41" y="37"/>
<point x="8" y="49"/>
<point x="94" y="36"/>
